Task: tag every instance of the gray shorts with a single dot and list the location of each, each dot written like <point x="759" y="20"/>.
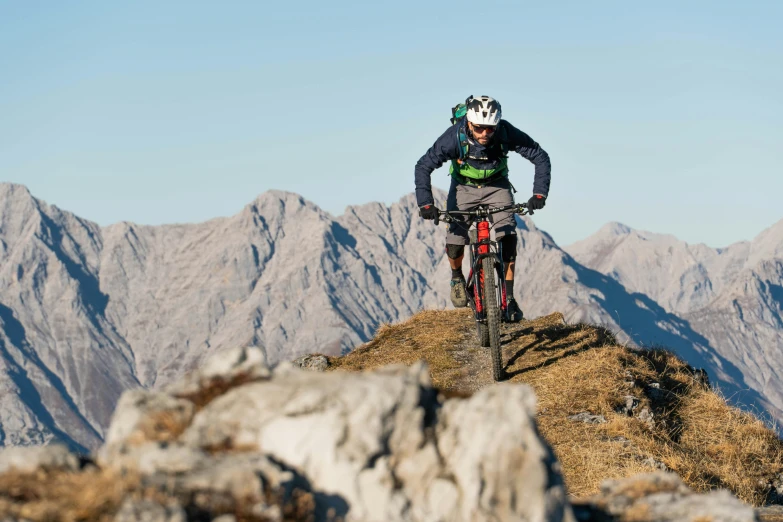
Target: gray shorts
<point x="468" y="197"/>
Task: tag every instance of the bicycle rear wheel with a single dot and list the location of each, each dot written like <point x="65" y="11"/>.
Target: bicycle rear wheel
<point x="492" y="311"/>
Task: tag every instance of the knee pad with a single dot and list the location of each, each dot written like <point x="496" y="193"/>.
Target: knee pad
<point x="455" y="251"/>
<point x="508" y="244"/>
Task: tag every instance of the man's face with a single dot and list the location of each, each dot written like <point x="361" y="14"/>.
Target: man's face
<point x="482" y="133"/>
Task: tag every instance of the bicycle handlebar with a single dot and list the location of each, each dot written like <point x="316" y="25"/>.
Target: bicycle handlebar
<point x="448" y="215"/>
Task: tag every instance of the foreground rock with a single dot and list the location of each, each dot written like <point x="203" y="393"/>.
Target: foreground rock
<point x="661" y="497"/>
<point x="238" y="441"/>
<point x="32" y="458"/>
<point x="235" y="438"/>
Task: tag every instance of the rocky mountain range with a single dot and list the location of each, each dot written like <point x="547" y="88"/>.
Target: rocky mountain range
<point x="87" y="312"/>
<point x="732" y="296"/>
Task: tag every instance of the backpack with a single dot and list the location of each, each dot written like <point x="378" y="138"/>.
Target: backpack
<point x="458" y="112"/>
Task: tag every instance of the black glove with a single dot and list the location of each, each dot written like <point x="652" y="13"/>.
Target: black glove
<point x="536" y="202"/>
<point x="429" y="212"/>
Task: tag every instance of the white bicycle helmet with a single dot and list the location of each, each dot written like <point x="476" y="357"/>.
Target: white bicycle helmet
<point x="483" y="110"/>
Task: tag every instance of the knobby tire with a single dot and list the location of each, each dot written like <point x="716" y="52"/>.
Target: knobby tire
<point x="478" y="288"/>
<point x="483" y="331"/>
<point x="489" y="293"/>
<point x="483" y="334"/>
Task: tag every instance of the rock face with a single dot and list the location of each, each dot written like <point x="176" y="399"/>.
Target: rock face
<point x="89" y="312"/>
<point x="369" y="446"/>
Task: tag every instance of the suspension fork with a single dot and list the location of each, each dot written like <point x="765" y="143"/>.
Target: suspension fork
<point x="502" y="278"/>
<point x="482" y="229"/>
<point x="483" y="250"/>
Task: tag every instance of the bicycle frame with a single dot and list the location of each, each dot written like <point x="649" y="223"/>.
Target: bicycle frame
<point x="486" y="287"/>
<point x="481" y="248"/>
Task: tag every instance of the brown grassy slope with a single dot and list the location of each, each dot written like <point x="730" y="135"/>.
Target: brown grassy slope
<point x="576" y="368"/>
<point x="97" y="495"/>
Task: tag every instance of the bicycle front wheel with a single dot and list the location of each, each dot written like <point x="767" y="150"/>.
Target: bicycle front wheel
<point x="492" y="310"/>
<point x="478" y="296"/>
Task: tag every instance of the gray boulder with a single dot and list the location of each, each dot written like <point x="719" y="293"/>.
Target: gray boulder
<point x="313" y="362"/>
<point x="149" y="511"/>
<point x="662" y="497"/>
<point x="28" y="459"/>
<point x="367" y="446"/>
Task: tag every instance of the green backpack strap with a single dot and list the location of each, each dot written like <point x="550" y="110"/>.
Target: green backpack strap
<point x="464" y="146"/>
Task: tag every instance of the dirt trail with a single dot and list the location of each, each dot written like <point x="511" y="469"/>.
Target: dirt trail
<point x="447" y="340"/>
<point x="476" y="361"/>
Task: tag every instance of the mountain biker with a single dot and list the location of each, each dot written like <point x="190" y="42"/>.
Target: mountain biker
<point x="477" y="145"/>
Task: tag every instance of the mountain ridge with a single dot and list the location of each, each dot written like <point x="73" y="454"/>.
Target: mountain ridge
<point x="110" y="308"/>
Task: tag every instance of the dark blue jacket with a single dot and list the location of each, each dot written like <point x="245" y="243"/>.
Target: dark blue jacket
<point x="447" y="148"/>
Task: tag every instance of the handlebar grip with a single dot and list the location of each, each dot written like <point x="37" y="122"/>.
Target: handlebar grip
<point x="437" y="218"/>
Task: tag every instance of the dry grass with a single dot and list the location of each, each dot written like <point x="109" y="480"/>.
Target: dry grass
<point x="430" y="335"/>
<point x="575" y="368"/>
<point x="95" y="495"/>
<point x="60" y="496"/>
<point x="216" y="387"/>
<point x="163" y="426"/>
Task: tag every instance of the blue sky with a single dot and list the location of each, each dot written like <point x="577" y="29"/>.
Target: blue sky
<point x="665" y="116"/>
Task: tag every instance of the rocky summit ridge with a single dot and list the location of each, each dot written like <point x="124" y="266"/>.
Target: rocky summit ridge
<point x="88" y="312"/>
<point x="585" y="429"/>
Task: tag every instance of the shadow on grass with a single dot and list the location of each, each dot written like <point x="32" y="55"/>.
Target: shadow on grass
<point x="546" y="362"/>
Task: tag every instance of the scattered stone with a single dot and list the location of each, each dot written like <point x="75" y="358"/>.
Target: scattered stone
<point x="149" y="511"/>
<point x="621" y="440"/>
<point x="647" y="417"/>
<point x="662" y="497"/>
<point x="700" y="378"/>
<point x="656" y="464"/>
<point x="312" y="362"/>
<point x="776" y="490"/>
<point x="631" y="403"/>
<point x="770" y="514"/>
<point x="655" y="392"/>
<point x="157" y="457"/>
<point x="226" y="369"/>
<point x="144" y="416"/>
<point x="27" y="459"/>
<point x="588" y="418"/>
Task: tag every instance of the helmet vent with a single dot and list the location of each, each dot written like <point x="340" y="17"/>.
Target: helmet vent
<point x="483" y="111"/>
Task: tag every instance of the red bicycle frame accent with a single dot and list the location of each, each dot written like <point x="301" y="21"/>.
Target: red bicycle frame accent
<point x="482" y="228"/>
<point x="483" y="237"/>
<point x="482" y="247"/>
<point x="483" y="241"/>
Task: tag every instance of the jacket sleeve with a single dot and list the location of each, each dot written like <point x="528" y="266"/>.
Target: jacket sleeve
<point x="525" y="145"/>
<point x="446" y="148"/>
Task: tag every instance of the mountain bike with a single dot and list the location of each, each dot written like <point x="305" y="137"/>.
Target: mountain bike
<point x="485" y="284"/>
